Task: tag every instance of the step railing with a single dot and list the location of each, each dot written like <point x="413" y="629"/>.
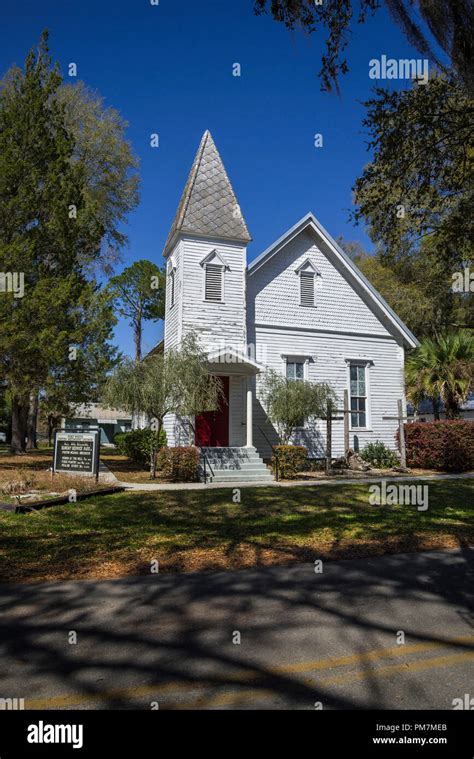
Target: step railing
<point x="206" y="465"/>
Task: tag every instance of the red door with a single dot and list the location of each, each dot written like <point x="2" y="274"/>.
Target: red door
<point x="212" y="427"/>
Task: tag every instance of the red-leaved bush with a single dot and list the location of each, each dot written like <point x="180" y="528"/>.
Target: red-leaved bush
<point x="178" y="464"/>
<point x="447" y="445"/>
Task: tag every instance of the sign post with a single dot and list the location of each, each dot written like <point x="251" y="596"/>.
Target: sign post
<point x="77" y="452"/>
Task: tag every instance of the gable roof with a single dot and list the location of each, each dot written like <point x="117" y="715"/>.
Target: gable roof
<point x="310" y="222"/>
<point x="208" y="204"/>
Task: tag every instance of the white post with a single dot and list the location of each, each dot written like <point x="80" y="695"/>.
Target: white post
<point x="249" y="417"/>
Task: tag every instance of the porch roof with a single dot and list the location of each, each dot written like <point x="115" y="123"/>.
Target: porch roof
<point x="230" y="361"/>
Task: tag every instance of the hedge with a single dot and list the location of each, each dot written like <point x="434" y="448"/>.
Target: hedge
<point x="136" y="444"/>
<point x="379" y="455"/>
<point x="179" y="464"/>
<point x="288" y="460"/>
<point x="446" y="445"/>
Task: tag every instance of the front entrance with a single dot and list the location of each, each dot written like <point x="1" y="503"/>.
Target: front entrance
<point x="212" y="427"/>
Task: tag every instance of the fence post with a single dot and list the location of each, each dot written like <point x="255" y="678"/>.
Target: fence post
<point x="401" y="429"/>
<point x="346" y="421"/>
<point x="328" y="438"/>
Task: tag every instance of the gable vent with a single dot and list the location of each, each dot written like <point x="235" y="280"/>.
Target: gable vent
<point x="213" y="285"/>
<point x="307" y="288"/>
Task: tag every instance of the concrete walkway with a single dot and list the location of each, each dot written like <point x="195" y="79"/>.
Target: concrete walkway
<point x="138" y="486"/>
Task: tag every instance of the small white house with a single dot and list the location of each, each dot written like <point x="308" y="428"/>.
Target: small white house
<point x="300" y="307"/>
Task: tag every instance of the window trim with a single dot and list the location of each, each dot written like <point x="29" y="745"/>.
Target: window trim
<point x="296" y="358"/>
<point x="365" y="364"/>
<point x="214" y="258"/>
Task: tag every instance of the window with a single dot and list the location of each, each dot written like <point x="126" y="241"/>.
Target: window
<point x="172" y="287"/>
<point x="294" y="370"/>
<point x="358" y="396"/>
<point x="213" y="286"/>
<point x="306" y="288"/>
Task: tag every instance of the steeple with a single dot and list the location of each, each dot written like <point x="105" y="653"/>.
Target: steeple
<point x="208" y="205"/>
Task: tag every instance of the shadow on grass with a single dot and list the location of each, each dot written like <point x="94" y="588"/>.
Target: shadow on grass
<point x="196" y="530"/>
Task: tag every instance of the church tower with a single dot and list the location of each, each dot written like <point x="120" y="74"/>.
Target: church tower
<point x="206" y="258"/>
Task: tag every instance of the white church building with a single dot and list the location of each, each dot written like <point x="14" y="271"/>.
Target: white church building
<point x="301" y="308"/>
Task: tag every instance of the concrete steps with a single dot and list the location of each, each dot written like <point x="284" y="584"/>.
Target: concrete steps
<point x="233" y="465"/>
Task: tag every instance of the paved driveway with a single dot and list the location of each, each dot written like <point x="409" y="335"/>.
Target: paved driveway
<point x="305" y="638"/>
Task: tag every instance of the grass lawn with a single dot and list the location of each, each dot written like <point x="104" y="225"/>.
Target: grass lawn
<point x="120" y="535"/>
<point x="126" y="470"/>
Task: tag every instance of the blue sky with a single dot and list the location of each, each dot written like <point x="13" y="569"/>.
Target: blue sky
<point x="168" y="70"/>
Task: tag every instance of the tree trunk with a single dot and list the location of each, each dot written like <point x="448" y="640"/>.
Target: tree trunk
<point x="154" y="451"/>
<point x="50" y="431"/>
<point x="137" y="334"/>
<point x="32" y="421"/>
<point x="451" y="407"/>
<point x="435" y="402"/>
<point x="19" y="419"/>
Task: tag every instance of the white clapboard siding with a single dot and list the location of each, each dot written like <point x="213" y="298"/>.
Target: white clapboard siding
<point x="173" y="311"/>
<point x="327" y="355"/>
<point x="342" y="325"/>
<point x="216" y="322"/>
<point x="275" y="290"/>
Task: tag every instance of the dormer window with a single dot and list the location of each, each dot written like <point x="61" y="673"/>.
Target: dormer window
<point x="307" y="274"/>
<point x="214" y="270"/>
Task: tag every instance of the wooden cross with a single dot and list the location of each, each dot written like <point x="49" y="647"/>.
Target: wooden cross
<point x="401" y="430"/>
<point x="329" y="420"/>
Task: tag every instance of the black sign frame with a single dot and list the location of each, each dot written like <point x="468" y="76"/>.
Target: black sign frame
<point x="95" y="451"/>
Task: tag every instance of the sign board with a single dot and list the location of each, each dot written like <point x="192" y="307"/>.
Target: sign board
<point x="77" y="452"/>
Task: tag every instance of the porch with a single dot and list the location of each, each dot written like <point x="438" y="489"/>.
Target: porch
<point x="226" y="436"/>
<point x="232" y="425"/>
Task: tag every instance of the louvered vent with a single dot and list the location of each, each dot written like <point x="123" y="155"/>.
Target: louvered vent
<point x="213" y="282"/>
<point x="307" y="288"/>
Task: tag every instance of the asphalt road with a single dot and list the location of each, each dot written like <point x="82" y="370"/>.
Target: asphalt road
<point x="331" y="639"/>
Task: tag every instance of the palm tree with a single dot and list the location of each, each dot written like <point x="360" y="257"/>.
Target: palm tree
<point x="442" y="368"/>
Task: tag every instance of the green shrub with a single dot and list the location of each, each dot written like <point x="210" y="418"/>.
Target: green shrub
<point x="379" y="455"/>
<point x="179" y="464"/>
<point x="288" y="460"/>
<point x="137" y="444"/>
<point x="446" y="445"/>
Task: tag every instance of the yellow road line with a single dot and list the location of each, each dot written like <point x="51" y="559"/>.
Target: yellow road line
<point x="416" y="666"/>
<point x="252" y="695"/>
<point x="133" y="692"/>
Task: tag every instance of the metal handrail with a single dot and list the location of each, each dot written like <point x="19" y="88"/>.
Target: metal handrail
<point x="208" y="464"/>
<point x="277" y="472"/>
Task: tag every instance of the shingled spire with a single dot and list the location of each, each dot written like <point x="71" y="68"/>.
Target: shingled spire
<point x="208" y="205"/>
